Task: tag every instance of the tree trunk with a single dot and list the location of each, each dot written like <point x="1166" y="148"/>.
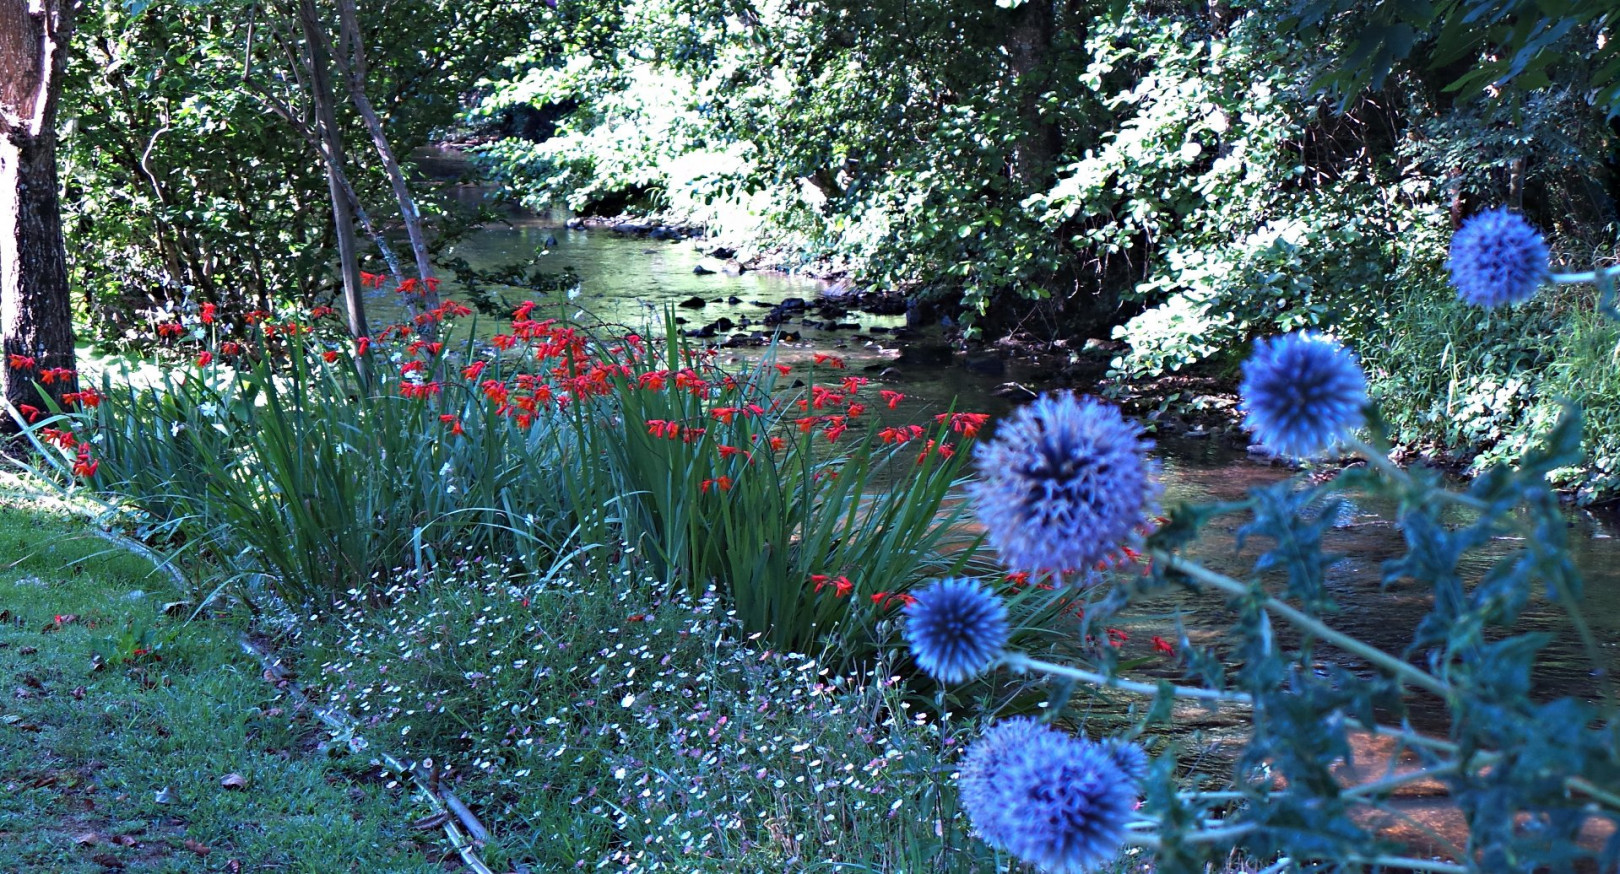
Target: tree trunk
<point x="355" y="70"/>
<point x="1031" y="28"/>
<point x="36" y="312"/>
<point x="320" y="86"/>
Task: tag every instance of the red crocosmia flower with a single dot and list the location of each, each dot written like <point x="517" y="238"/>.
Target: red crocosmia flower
<point x="523" y="310"/>
<point x="836" y="428"/>
<point x="733" y="452"/>
<point x="170" y="329"/>
<point x="432" y="283"/>
<point x="855" y="411"/>
<point x="22" y="362"/>
<point x="841" y="585"/>
<point x="453" y="421"/>
<point x="255" y="316"/>
<point x="411" y="367"/>
<point x="320" y="312"/>
<point x="85" y="466"/>
<point x="1018" y="578"/>
<point x="495" y="390"/>
<point x="369" y="280"/>
<point x="784" y="369"/>
<point x="88" y="398"/>
<point x="832" y="361"/>
<point x="854" y="384"/>
<point x="330" y="356"/>
<point x="724" y="414"/>
<point x="419" y="391"/>
<point x="889" y="599"/>
<point x="1164" y="646"/>
<point x="653" y="380"/>
<point x="472" y="370"/>
<point x="207" y="314"/>
<point x="30" y="411"/>
<point x="361" y="344"/>
<point x="409" y="285"/>
<point x="454" y="308"/>
<point x="64" y="439"/>
<point x="777" y="443"/>
<point x="719" y="483"/>
<point x="230" y="347"/>
<point x="1117" y="637"/>
<point x="966" y="424"/>
<point x="205" y="358"/>
<point x="503" y="341"/>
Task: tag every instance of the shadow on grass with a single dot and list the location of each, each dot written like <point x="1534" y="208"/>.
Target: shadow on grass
<point x="119" y="726"/>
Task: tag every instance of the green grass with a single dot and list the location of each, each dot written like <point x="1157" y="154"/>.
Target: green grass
<point x="85" y="751"/>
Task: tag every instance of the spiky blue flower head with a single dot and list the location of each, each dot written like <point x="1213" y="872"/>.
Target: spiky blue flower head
<point x="1056" y="801"/>
<point x="1497" y="258"/>
<point x="1302" y="393"/>
<point x="956" y="629"/>
<point x="976" y="781"/>
<point x="1130" y="758"/>
<point x="1065" y="483"/>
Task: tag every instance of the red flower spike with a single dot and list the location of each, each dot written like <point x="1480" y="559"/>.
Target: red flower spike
<point x="30" y="411"/>
<point x="892" y="398"/>
<point x="205" y="358"/>
<point x="22" y="362"/>
<point x="784" y="369"/>
<point x="207" y="314"/>
<point x="1164" y="646"/>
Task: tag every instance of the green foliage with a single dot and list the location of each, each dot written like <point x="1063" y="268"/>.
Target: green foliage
<point x="1498" y="44"/>
<point x="183" y="183"/>
<point x="766" y="525"/>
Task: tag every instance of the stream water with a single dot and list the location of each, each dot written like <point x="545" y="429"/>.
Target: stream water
<point x="631" y="280"/>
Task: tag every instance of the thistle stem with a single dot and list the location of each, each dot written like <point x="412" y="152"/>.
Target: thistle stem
<point x="1310" y="625"/>
<point x="1412" y="864"/>
<point x="1020" y="662"/>
<point x="1206" y="836"/>
<point x="1378" y="459"/>
<point x="1587" y="276"/>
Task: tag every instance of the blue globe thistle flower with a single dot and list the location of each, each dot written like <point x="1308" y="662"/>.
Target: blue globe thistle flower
<point x="1065" y="483"/>
<point x="1302" y="393"/>
<point x="1130" y="758"/>
<point x="956" y="629"/>
<point x="976" y="781"/>
<point x="1497" y="258"/>
<point x="1058" y="802"/>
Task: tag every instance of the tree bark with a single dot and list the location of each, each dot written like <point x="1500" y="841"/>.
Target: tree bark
<point x="355" y="70"/>
<point x="1031" y="28"/>
<point x="36" y="311"/>
<point x="320" y="87"/>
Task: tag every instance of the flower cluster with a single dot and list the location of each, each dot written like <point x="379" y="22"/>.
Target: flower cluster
<point x="1302" y="394"/>
<point x="957" y="628"/>
<point x="1056" y="801"/>
<point x="1065" y="483"/>
<point x="1497" y="258"/>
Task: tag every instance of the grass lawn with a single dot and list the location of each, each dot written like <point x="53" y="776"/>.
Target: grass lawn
<point x="134" y="741"/>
